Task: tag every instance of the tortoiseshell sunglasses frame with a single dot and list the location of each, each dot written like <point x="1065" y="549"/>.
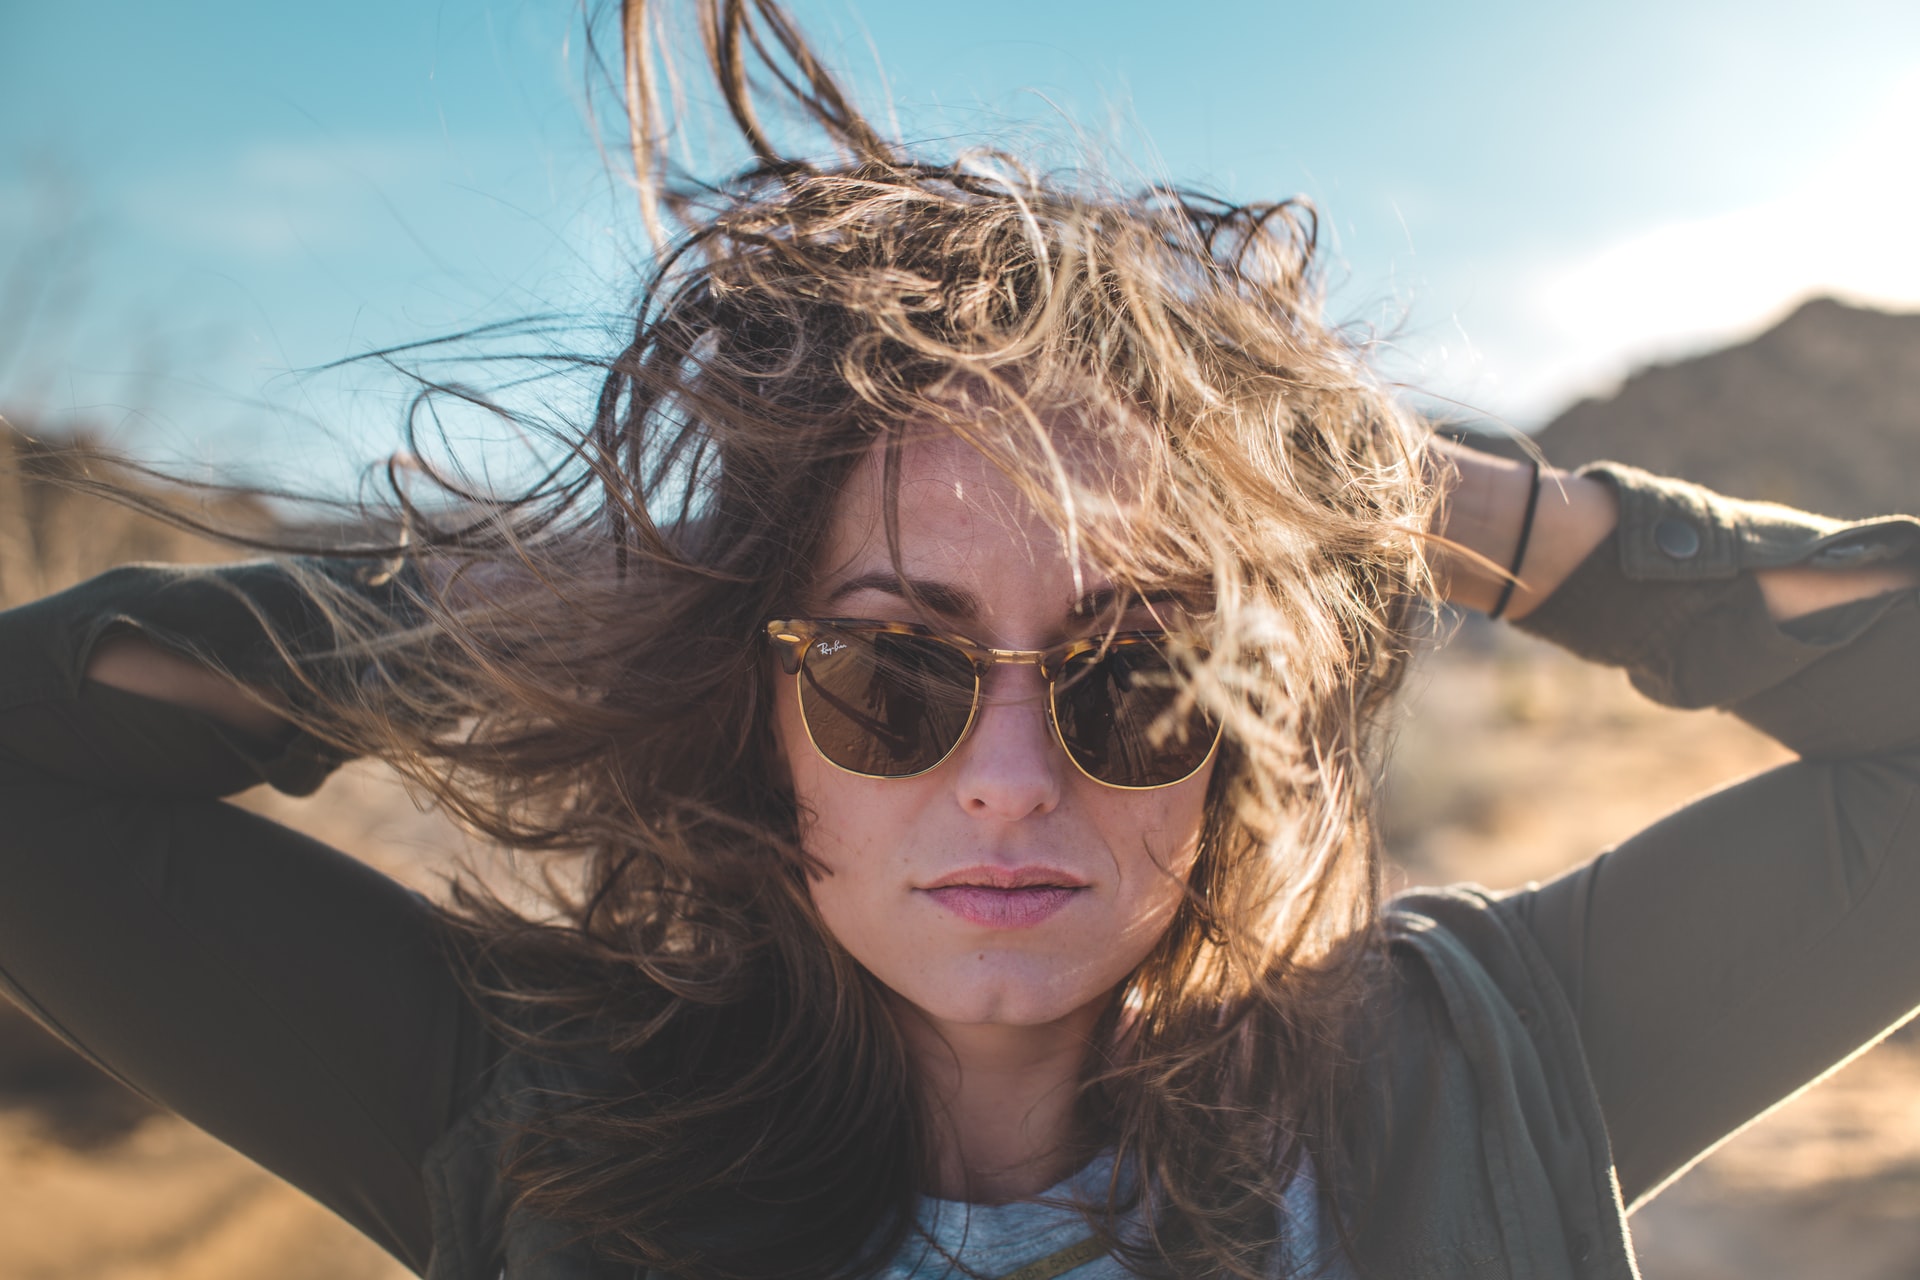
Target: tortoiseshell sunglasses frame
<point x="793" y="637"/>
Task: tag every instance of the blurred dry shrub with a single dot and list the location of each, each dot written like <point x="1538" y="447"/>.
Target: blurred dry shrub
<point x="52" y="537"/>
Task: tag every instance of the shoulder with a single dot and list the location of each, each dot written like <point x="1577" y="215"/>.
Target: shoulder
<point x="1483" y="1137"/>
<point x="1474" y="1021"/>
<point x="1466" y="967"/>
<point x="1463" y="934"/>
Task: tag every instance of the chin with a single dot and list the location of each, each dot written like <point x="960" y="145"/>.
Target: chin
<point x="1016" y="998"/>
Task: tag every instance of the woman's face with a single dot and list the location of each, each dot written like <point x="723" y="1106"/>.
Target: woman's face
<point x="916" y="868"/>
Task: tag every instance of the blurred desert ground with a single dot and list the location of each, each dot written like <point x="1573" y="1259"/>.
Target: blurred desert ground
<point x="1512" y="763"/>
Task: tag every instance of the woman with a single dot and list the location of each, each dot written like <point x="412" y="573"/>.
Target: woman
<point x="946" y="682"/>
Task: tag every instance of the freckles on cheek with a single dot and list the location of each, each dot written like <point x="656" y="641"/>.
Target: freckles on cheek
<point x="847" y="832"/>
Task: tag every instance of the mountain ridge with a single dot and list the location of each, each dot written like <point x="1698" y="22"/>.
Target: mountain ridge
<point x="1821" y="411"/>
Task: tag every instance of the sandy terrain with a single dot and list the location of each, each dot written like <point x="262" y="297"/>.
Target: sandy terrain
<point x="1824" y="1188"/>
<point x="164" y="1203"/>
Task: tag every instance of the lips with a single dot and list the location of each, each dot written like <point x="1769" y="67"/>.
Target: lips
<point x="1005" y="897"/>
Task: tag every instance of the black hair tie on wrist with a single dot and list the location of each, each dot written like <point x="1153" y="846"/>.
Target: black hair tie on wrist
<point x="1520" y="547"/>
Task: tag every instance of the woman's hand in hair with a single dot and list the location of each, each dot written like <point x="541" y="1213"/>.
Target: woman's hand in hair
<point x="1482" y="508"/>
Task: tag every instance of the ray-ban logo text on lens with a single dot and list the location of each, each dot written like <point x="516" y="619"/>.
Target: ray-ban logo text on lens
<point x="828" y="647"/>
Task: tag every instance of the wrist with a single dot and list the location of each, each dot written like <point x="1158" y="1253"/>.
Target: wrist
<point x="1481" y="514"/>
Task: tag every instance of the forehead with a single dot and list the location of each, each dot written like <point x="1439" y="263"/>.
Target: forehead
<point x="962" y="521"/>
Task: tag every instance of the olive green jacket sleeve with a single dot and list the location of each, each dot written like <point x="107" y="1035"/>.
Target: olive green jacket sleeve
<point x="285" y="997"/>
<point x="1721" y="959"/>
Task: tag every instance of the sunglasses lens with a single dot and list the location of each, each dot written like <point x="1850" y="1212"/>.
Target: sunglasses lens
<point x="1121" y="716"/>
<point x="887" y="706"/>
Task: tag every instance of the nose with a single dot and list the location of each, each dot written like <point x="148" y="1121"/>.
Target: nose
<point x="1010" y="766"/>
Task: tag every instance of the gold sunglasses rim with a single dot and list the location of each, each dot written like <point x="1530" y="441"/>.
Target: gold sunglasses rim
<point x="796" y="635"/>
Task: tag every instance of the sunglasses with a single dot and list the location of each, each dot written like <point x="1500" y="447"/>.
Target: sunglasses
<point x="893" y="699"/>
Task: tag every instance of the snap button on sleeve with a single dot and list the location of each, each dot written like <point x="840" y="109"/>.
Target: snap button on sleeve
<point x="1676" y="538"/>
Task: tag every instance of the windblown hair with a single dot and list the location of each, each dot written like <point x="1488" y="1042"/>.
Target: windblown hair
<point x="598" y="688"/>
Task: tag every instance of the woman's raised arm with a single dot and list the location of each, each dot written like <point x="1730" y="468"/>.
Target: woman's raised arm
<point x="1734" y="951"/>
<point x="287" y="998"/>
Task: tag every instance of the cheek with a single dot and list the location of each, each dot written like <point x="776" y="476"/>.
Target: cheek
<point x="848" y="824"/>
<point x="1167" y="821"/>
<point x="780" y="759"/>
<point x="832" y="804"/>
<point x="860" y="832"/>
<point x="784" y="720"/>
<point x="1155" y="839"/>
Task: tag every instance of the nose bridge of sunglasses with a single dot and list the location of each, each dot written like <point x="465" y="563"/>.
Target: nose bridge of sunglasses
<point x="1002" y="687"/>
<point x="1045" y="661"/>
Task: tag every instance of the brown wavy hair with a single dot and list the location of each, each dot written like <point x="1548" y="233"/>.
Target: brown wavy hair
<point x="588" y="680"/>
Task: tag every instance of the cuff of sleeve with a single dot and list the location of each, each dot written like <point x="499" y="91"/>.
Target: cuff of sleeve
<point x="1674" y="531"/>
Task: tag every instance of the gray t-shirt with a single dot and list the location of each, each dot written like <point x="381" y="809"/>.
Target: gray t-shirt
<point x="956" y="1239"/>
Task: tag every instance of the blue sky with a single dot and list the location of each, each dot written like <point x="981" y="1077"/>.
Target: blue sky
<point x="200" y="202"/>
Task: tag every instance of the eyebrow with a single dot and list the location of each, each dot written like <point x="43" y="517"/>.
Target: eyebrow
<point x="941" y="597"/>
<point x="957" y="602"/>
